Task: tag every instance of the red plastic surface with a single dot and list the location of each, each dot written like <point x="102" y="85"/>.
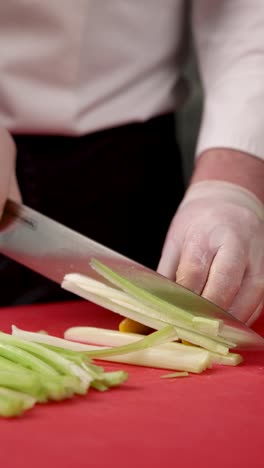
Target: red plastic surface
<point x="211" y="420"/>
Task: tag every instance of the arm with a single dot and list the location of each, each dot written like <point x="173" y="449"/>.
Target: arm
<point x="215" y="242"/>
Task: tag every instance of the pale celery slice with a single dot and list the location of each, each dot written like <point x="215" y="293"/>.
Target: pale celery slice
<point x="25" y="401"/>
<point x="167" y="312"/>
<point x="174" y="374"/>
<point x="217" y="344"/>
<point x="211" y="327"/>
<point x="10" y="408"/>
<point x="231" y="359"/>
<point x="24" y="382"/>
<point x="173" y="356"/>
<point x="25" y="359"/>
<point x="161" y="359"/>
<point x="203" y="341"/>
<point x="164" y="335"/>
<point x="55" y="361"/>
<point x="121" y="303"/>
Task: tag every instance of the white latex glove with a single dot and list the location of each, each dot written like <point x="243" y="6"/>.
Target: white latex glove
<point x="8" y="183"/>
<point x="215" y="247"/>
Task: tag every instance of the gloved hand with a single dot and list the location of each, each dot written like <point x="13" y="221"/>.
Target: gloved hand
<point x="215" y="247"/>
<point x="8" y="183"/>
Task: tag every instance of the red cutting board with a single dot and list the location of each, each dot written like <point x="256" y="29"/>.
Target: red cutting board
<point x="211" y="420"/>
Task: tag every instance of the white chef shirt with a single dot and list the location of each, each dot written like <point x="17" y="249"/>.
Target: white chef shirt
<point x="71" y="67"/>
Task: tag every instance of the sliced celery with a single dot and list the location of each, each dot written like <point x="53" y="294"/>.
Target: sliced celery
<point x="164" y="335"/>
<point x="167" y="312"/>
<point x="203" y="341"/>
<point x="9" y="407"/>
<point x="24" y="382"/>
<point x="55" y="360"/>
<point x="25" y="401"/>
<point x="174" y="374"/>
<point x="129" y="308"/>
<point x="24" y="358"/>
<point x="231" y="359"/>
<point x="207" y="326"/>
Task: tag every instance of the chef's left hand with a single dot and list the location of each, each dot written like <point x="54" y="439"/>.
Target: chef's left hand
<point x="215" y="247"/>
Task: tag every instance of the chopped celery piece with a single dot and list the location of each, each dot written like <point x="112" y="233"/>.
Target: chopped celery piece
<point x="164" y="311"/>
<point x="24" y="358"/>
<point x="174" y="374"/>
<point x="24" y="382"/>
<point x="173" y="356"/>
<point x="158" y="337"/>
<point x="207" y="326"/>
<point x="231" y="359"/>
<point x="9" y="407"/>
<point x="203" y="341"/>
<point x="162" y="358"/>
<point x="26" y="401"/>
<point x="129" y="308"/>
<point x="114" y="378"/>
<point x="164" y="335"/>
<point x="154" y="339"/>
<point x="48" y="340"/>
<point x="55" y="360"/>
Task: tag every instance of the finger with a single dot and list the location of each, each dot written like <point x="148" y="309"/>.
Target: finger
<point x="256" y="314"/>
<point x="249" y="297"/>
<point x="225" y="275"/>
<point x="169" y="259"/>
<point x="195" y="261"/>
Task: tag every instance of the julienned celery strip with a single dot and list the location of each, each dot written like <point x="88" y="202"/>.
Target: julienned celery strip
<point x="125" y="308"/>
<point x="203" y="341"/>
<point x="58" y="362"/>
<point x="133" y="309"/>
<point x="32" y="372"/>
<point x="216" y="344"/>
<point x="10" y="407"/>
<point x="24" y="400"/>
<point x="24" y="382"/>
<point x="174" y="374"/>
<point x="24" y="358"/>
<point x="207" y="326"/>
<point x="154" y="339"/>
<point x="166" y="310"/>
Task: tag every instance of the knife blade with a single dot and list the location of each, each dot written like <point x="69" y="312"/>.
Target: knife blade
<point x="53" y="250"/>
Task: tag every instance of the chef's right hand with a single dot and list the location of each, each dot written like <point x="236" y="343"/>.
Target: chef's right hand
<point x="8" y="182"/>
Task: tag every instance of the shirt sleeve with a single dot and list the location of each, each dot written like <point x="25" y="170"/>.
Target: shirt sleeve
<point x="229" y="41"/>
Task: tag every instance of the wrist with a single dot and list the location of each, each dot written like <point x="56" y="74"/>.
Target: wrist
<point x="231" y="166"/>
<point x="225" y="192"/>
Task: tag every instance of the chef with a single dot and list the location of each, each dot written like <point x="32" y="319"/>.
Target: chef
<point x="88" y="94"/>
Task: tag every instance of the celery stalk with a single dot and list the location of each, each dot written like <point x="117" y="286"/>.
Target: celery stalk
<point x="164" y="335"/>
<point x="55" y="360"/>
<point x="121" y="307"/>
<point x="25" y="359"/>
<point x="24" y="382"/>
<point x="9" y="407"/>
<point x="174" y="374"/>
<point x="26" y="401"/>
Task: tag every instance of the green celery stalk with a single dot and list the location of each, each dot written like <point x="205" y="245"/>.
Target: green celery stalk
<point x="154" y="339"/>
<point x="25" y="401"/>
<point x="24" y="358"/>
<point x="23" y="382"/>
<point x="56" y="361"/>
<point x="9" y="407"/>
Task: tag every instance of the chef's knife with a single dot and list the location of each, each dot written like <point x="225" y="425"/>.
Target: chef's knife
<point x="53" y="250"/>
